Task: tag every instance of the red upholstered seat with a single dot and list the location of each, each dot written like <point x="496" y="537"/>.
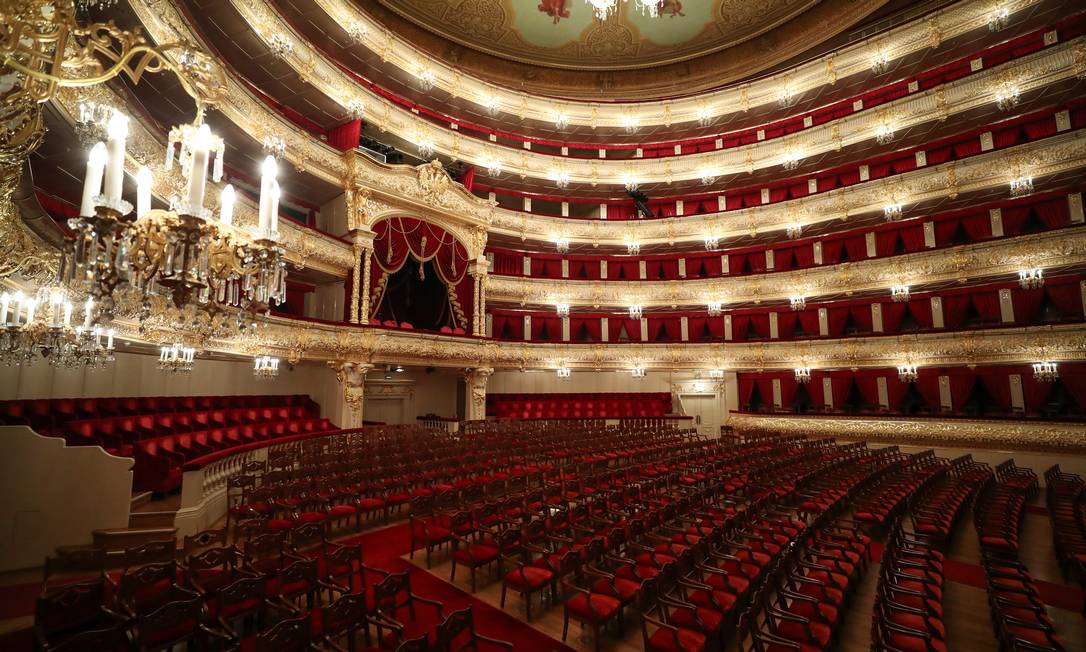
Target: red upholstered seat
<point x="594" y="607"/>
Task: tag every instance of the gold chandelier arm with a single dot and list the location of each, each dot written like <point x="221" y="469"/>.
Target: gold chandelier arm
<point x="53" y="51"/>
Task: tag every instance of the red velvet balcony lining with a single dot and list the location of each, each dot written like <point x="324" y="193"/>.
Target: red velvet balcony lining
<point x="980" y="391"/>
<point x="579" y="405"/>
<point x="1059" y="301"/>
<point x="1066" y="29"/>
<point x="1044" y="211"/>
<point x="1027" y="128"/>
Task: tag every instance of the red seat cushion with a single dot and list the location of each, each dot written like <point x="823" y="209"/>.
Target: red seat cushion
<point x="476" y="555"/>
<point x="528" y="578"/>
<point x="685" y="640"/>
<point x="599" y="609"/>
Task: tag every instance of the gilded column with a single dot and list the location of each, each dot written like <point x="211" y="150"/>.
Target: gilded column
<point x="482" y="305"/>
<point x="366" y="256"/>
<point x="356" y="281"/>
<point x="476" y="380"/>
<point x="475" y="305"/>
<point x="352" y="380"/>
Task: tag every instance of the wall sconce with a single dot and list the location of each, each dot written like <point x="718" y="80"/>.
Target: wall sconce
<point x="633" y="248"/>
<point x="1045" y="372"/>
<point x="1031" y="279"/>
<point x="899" y="293"/>
<point x="1021" y="186"/>
<point x="892" y="212"/>
<point x="715" y="308"/>
<point x="716" y="373"/>
<point x="907" y="373"/>
<point x="637" y="372"/>
<point x="793" y="231"/>
<point x="635" y="312"/>
<point x="563" y="372"/>
<point x="803" y="374"/>
<point x="562" y="309"/>
<point x="711" y="242"/>
<point x="562" y="246"/>
<point x="797" y="302"/>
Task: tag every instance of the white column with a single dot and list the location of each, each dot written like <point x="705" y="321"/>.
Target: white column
<point x="347" y="413"/>
<point x="475" y="397"/>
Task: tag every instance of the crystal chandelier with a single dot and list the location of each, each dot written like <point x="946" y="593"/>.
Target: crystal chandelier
<point x="793" y="231"/>
<point x="357" y="32"/>
<point x="563" y="372"/>
<point x="1045" y="372"/>
<point x="356" y="108"/>
<point x="562" y="309"/>
<point x="880" y="63"/>
<point x="280" y="45"/>
<point x="90" y="126"/>
<point x="892" y="212"/>
<point x="43" y="325"/>
<point x="265" y="367"/>
<point x="1007" y="98"/>
<point x="803" y="374"/>
<point x="999" y="19"/>
<point x="705" y="117"/>
<point x="1031" y="279"/>
<point x="899" y="293"/>
<point x="633" y="248"/>
<point x="176" y="358"/>
<point x="493" y="166"/>
<point x="637" y="372"/>
<point x="907" y="373"/>
<point x="797" y="302"/>
<point x="791" y="159"/>
<point x="712" y="242"/>
<point x="210" y="271"/>
<point x="716" y="308"/>
<point x="426" y="148"/>
<point x="273" y="146"/>
<point x="427" y="78"/>
<point x="884" y="133"/>
<point x="635" y="312"/>
<point x="1021" y="186"/>
<point x="561" y="246"/>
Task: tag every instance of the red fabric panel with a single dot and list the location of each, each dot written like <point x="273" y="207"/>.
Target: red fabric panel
<point x="978" y="226"/>
<point x="761" y="324"/>
<point x="961" y="385"/>
<point x="856" y="246"/>
<point x="861" y="314"/>
<point x="814" y="388"/>
<point x="765" y="388"/>
<point x="346" y="135"/>
<point x="841" y="387"/>
<point x="696" y="328"/>
<point x="921" y="312"/>
<point x="508" y="263"/>
<point x="892" y="313"/>
<point x="786" y="324"/>
<point x="869" y="388"/>
<point x="987" y="304"/>
<point x="468" y="178"/>
<point x="1027" y="304"/>
<point x="1014" y="218"/>
<point x="1053" y="213"/>
<point x="592" y="326"/>
<point x="955" y="307"/>
<point x="746" y="389"/>
<point x="837" y="317"/>
<point x="1073" y="378"/>
<point x="928" y="386"/>
<point x="1066" y="296"/>
<point x="997" y="384"/>
<point x="831" y="250"/>
<point x="716" y="327"/>
<point x="740" y="325"/>
<point x="808" y="319"/>
<point x="895" y="391"/>
<point x="789" y="385"/>
<point x="913" y="237"/>
<point x="886" y="242"/>
<point x="615" y="325"/>
<point x="945" y="231"/>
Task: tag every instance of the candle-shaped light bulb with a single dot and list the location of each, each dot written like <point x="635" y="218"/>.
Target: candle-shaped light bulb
<point x="267" y="176"/>
<point x="143" y="191"/>
<point x="5" y="302"/>
<point x="201" y="147"/>
<point x="109" y="340"/>
<point x="162" y="353"/>
<point x="88" y="309"/>
<point x="117" y="132"/>
<point x="67" y="314"/>
<point x="56" y="302"/>
<point x="31" y="306"/>
<point x="226" y="203"/>
<point x="273" y="227"/>
<point x="92" y="182"/>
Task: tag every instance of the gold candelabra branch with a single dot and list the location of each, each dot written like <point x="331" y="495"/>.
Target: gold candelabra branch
<point x="44" y="43"/>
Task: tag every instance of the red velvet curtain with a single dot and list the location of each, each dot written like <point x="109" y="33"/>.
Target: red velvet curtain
<point x="928" y="386"/>
<point x="808" y="319"/>
<point x="892" y="314"/>
<point x="740" y="325"/>
<point x="987" y="304"/>
<point x="1066" y="296"/>
<point x="961" y="386"/>
<point x="861" y="315"/>
<point x="955" y="307"/>
<point x="786" y="324"/>
<point x="895" y="391"/>
<point x="346" y="135"/>
<point x="978" y="226"/>
<point x="746" y="390"/>
<point x="913" y="237"/>
<point x="998" y="385"/>
<point x="921" y="312"/>
<point x="1027" y="304"/>
<point x="1053" y="213"/>
<point x="761" y="324"/>
<point x="837" y="317"/>
<point x="788" y="390"/>
<point x="615" y="325"/>
<point x="867" y="382"/>
<point x="398" y="237"/>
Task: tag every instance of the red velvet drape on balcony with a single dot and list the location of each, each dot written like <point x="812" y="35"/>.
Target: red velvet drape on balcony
<point x="346" y="135"/>
<point x="398" y="237"/>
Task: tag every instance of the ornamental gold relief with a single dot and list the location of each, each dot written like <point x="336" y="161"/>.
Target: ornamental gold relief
<point x="1051" y="64"/>
<point x="972" y="261"/>
<point x="965" y="433"/>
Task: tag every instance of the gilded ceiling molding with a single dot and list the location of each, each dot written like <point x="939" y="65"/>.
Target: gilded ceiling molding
<point x="1033" y="71"/>
<point x="958" y="264"/>
<point x="304" y="247"/>
<point x="907" y="39"/>
<point x="1001" y="434"/>
<point x="296" y="340"/>
<point x="980" y="172"/>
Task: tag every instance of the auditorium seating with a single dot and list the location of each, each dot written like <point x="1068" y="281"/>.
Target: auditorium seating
<point x="576" y="406"/>
<point x="163" y="433"/>
<point x="1064" y="496"/>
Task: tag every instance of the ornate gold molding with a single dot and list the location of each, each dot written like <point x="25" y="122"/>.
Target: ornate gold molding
<point x="1032" y="71"/>
<point x="966" y="433"/>
<point x="957" y="264"/>
<point x="905" y="40"/>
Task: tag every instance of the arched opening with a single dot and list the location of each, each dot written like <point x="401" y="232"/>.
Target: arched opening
<point x="419" y="277"/>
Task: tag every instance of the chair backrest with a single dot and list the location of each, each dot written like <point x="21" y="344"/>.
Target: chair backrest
<point x="345" y="616"/>
<point x="150" y="553"/>
<point x="455" y="624"/>
<point x="77" y="560"/>
<point x="172" y="622"/>
<point x="70" y="607"/>
<point x="242" y="597"/>
<point x="290" y="635"/>
<point x="203" y="540"/>
<point x="116" y="638"/>
<point x="386" y="591"/>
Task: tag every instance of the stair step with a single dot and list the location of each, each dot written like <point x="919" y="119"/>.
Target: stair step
<point x="140" y="499"/>
<point x="121" y="538"/>
<point x="142" y="520"/>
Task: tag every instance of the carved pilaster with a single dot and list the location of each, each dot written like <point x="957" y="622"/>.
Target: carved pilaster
<point x="356" y="281"/>
<point x="478" y="271"/>
<point x="352" y="380"/>
<point x="476" y="380"/>
<point x="367" y="255"/>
